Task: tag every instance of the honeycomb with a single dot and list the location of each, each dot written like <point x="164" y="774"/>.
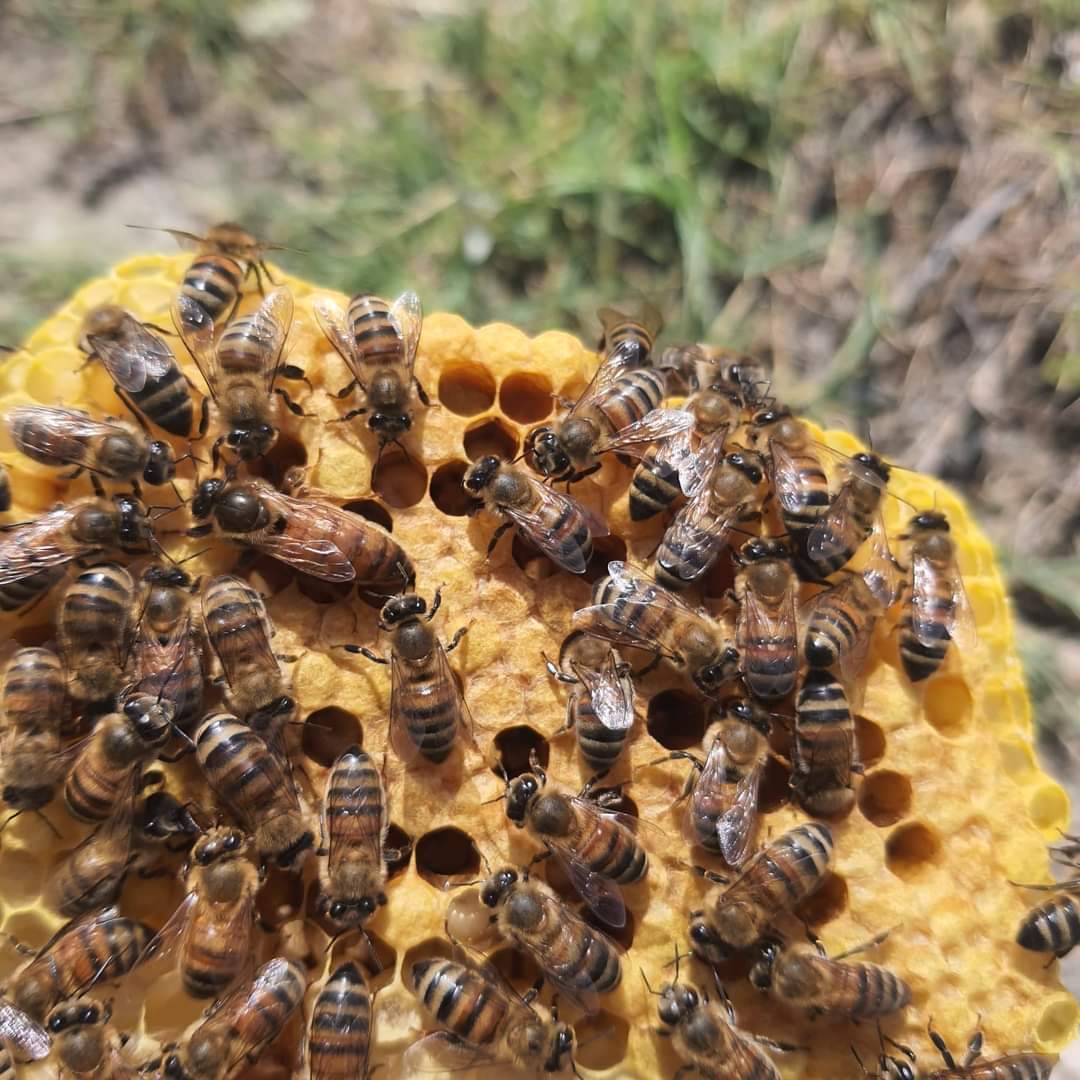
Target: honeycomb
<point x="953" y="803"/>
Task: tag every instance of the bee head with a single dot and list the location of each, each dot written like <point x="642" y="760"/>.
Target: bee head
<point x="170" y="576"/>
<point x="747" y="464"/>
<point x="760" y="548"/>
<point x="519" y="793"/>
<point x="677" y="1001"/>
<point x="761" y="974"/>
<point x="498" y="885"/>
<point x="871" y="463"/>
<point x="711" y="677"/>
<point x="706" y="944"/>
<point x="133" y="528"/>
<point x="400" y="608"/>
<point x="207" y="496"/>
<point x="218" y="844"/>
<point x="389" y="426"/>
<point x="746" y="712"/>
<point x="150" y="718"/>
<point x="892" y="1068"/>
<point x="27" y="798"/>
<point x="161" y="464"/>
<point x="173" y="1066"/>
<point x="548" y="452"/>
<point x="252" y="442"/>
<point x="768" y="417"/>
<point x="929" y="521"/>
<point x="481" y="473"/>
<point x="74" y="1014"/>
<point x="348" y="913"/>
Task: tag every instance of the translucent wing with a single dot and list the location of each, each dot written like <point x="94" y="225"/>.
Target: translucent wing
<point x="759" y="621"/>
<point x="305" y="541"/>
<point x="28" y="1040"/>
<point x="163" y="946"/>
<point x="925" y="592"/>
<point x="611" y="694"/>
<point x="442" y="1052"/>
<point x="880" y="573"/>
<point x="962" y="624"/>
<point x="257" y="650"/>
<point x="697" y="467"/>
<point x="246" y="1039"/>
<point x="831" y="535"/>
<point x="611" y="367"/>
<point x="347" y="832"/>
<point x="790" y="489"/>
<point x="653" y="426"/>
<point x="699" y="536"/>
<point x="269" y="326"/>
<point x="404" y="745"/>
<point x="536" y="525"/>
<point x="38" y="545"/>
<point x="407" y="314"/>
<point x="196" y="330"/>
<point x="332" y="321"/>
<point x="55" y="430"/>
<point x="853" y="659"/>
<point x="736" y="828"/>
<point x="135" y="357"/>
<point x="602" y="896"/>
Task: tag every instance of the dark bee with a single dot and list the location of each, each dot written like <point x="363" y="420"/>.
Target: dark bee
<point x="1054" y="925"/>
<point x="699" y="366"/>
<point x="825" y="756"/>
<point x="839" y="627"/>
<point x="627" y="340"/>
<point x="799" y="481"/>
<point x="1011" y="1067"/>
<point x="339" y="1035"/>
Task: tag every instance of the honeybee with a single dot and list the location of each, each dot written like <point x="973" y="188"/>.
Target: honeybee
<point x="1011" y="1067"/>
<point x="161" y="817"/>
<point x="557" y="525"/>
<point x="681" y="463"/>
<point x="799" y="481"/>
<point x="109" y="760"/>
<point x="854" y="513"/>
<point x="85" y="1043"/>
<point x="484" y="1020"/>
<point x="619" y="412"/>
<point x="239" y="631"/>
<point x="804" y="977"/>
<point x="627" y="340"/>
<point x="213" y="926"/>
<point x="580" y="961"/>
<point x="94" y="625"/>
<point x="825" y="755"/>
<point x="100" y="946"/>
<point x="935" y="604"/>
<point x="310" y="535"/>
<point x="142" y="367"/>
<point x="34" y="553"/>
<point x="252" y="782"/>
<point x="378" y="342"/>
<point x="241" y="370"/>
<point x="427" y="710"/>
<point x="732" y="495"/>
<point x="241" y="1026"/>
<point x="597" y="847"/>
<point x="21" y="1039"/>
<point x="166" y="658"/>
<point x="33" y="705"/>
<point x="722" y="808"/>
<point x="5" y="490"/>
<point x="601" y="708"/>
<point x="339" y="1035"/>
<point x="103" y="448"/>
<point x="700" y="365"/>
<point x="782" y="874"/>
<point x="629" y="609"/>
<point x="839" y="626"/>
<point x="766" y="630"/>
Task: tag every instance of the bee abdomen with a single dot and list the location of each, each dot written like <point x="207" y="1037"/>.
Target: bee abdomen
<point x="431" y="720"/>
<point x="213" y="282"/>
<point x="920" y="659"/>
<point x="654" y="487"/>
<point x="17" y="594"/>
<point x="631" y="397"/>
<point x="167" y="401"/>
<point x="878" y="992"/>
<point x="1053" y="926"/>
<point x="771" y="664"/>
<point x="799" y="859"/>
<point x="99" y="951"/>
<point x="678" y="565"/>
<point x="832" y="631"/>
<point x="340" y="1025"/>
<point x="593" y="966"/>
<point x="600" y="745"/>
<point x="614" y="852"/>
<point x="459" y="999"/>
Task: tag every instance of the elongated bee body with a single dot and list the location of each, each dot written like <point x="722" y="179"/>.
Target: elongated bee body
<point x="94" y="629"/>
<point x="1054" y="925"/>
<point x="579" y="960"/>
<point x="628" y="339"/>
<point x="96" y="948"/>
<point x="484" y="1015"/>
<point x="799" y="481"/>
<point x="803" y="978"/>
<point x="1011" y="1067"/>
<point x="702" y="365"/>
<point x="141" y="365"/>
<point x="242" y="1026"/>
<point x="825" y="754"/>
<point x="839" y="627"/>
<point x="102" y="772"/>
<point x="766" y="630"/>
<point x="339" y="1037"/>
<point x="240" y="767"/>
<point x="774" y="881"/>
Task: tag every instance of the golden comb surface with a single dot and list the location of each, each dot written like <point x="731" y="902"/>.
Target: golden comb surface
<point x="953" y="804"/>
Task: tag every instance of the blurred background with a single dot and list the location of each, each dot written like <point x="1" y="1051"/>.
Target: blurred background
<point x="880" y="195"/>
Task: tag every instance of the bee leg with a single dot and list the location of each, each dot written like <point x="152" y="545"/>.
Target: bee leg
<point x="556" y="673"/>
<point x="539" y="857"/>
<point x="421" y="393"/>
<point x="295" y="374"/>
<point x="18" y="946"/>
<point x="711" y="875"/>
<point x="939" y="1042"/>
<point x="773" y="1044"/>
<point x="204" y="419"/>
<point x="651" y="666"/>
<point x="363" y="650"/>
<point x="587" y="787"/>
<point x="349" y="416"/>
<point x="974" y="1047"/>
<point x="498" y="535"/>
<point x="289" y="403"/>
<point x="873" y="942"/>
<point x="348" y="388"/>
<point x="533" y="992"/>
<point x="456" y="639"/>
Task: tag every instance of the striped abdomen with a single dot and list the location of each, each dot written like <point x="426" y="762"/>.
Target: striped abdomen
<point x="1013" y="1067"/>
<point x="34" y="692"/>
<point x="431" y="718"/>
<point x="214" y="283"/>
<point x="686" y="552"/>
<point x="340" y="1034"/>
<point x="376" y="339"/>
<point x="172" y="672"/>
<point x="96" y="952"/>
<point x="770" y="660"/>
<point x="854" y="991"/>
<point x="98" y="777"/>
<point x="460" y="1000"/>
<point x="274" y="996"/>
<point x="706" y="1038"/>
<point x="862" y="500"/>
<point x="610" y="849"/>
<point x="807" y="499"/>
<point x="18" y="594"/>
<point x="90" y="877"/>
<point x="355" y="806"/>
<point x="599" y="744"/>
<point x="633" y="609"/>
<point x="840" y="619"/>
<point x="379" y="560"/>
<point x="1053" y="926"/>
<point x="653" y="487"/>
<point x="632" y="339"/>
<point x="243" y="351"/>
<point x="214" y="949"/>
<point x="824" y="745"/>
<point x="630" y="398"/>
<point x="922" y="653"/>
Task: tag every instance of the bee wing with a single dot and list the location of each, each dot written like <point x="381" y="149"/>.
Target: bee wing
<point x="407" y="314"/>
<point x="959" y="622"/>
<point x="962" y="624"/>
<point x="446" y="678"/>
<point x="612" y="696"/>
<point x="880" y="572"/>
<point x="101" y="917"/>
<point x="270" y="325"/>
<point x="611" y="367"/>
<point x="341" y="830"/>
<point x="37" y="545"/>
<point x="736" y="828"/>
<point x="254" y="650"/>
<point x="319" y="556"/>
<point x="653" y="426"/>
<point x="443" y="1052"/>
<point x="404" y="745"/>
<point x="60" y="424"/>
<point x="163" y="945"/>
<point x="536" y="524"/>
<point x="602" y="896"/>
<point x="854" y="659"/>
<point x="196" y="330"/>
<point x="757" y="620"/>
<point x="134" y="358"/>
<point x="29" y="1040"/>
<point x="827" y="536"/>
<point x="787" y="482"/>
<point x="698" y="534"/>
<point x="696" y="468"/>
<point x="333" y="324"/>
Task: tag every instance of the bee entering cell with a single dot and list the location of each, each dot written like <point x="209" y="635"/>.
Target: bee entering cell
<point x="826" y="903"/>
<point x="676" y="720"/>
<point x="466" y="389"/>
<point x="328" y="733"/>
<point x="444" y="856"/>
<point x="514" y="745"/>
<point x="446" y="491"/>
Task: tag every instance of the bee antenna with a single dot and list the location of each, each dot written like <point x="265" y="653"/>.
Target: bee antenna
<point x="645" y="980"/>
<point x="498" y="798"/>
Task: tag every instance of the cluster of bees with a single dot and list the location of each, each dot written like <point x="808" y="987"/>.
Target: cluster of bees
<point x="120" y="698"/>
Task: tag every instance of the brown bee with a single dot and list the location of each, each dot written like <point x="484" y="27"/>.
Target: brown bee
<point x="241" y="1026"/>
<point x="738" y="912"/>
<point x="162" y="818"/>
<point x="484" y="1021"/>
<point x="630" y="609"/>
<point x="627" y="340"/>
<point x="310" y="535"/>
<point x="1011" y="1067"/>
<point x="103" y="448"/>
<point x="108" y="762"/>
<point x="597" y="847"/>
<point x="600" y="710"/>
<point x="799" y="481"/>
<point x="212" y="929"/>
<point x="557" y="525"/>
<point x="935" y="605"/>
<point x="33" y="706"/>
<point x="578" y="960"/>
<point x="700" y="366"/>
<point x="732" y="494"/>
<point x="804" y="977"/>
<point x="339" y="1035"/>
<point x="839" y="626"/>
<point x="94" y="624"/>
<point x="427" y="710"/>
<point x="22" y="1039"/>
<point x="85" y="1043"/>
<point x="378" y="342"/>
<point x="239" y="631"/>
<point x="34" y="553"/>
<point x="825" y="755"/>
<point x="680" y="464"/>
<point x="722" y="808"/>
<point x="766" y="630"/>
<point x="95" y="948"/>
<point x="241" y="369"/>
<point x="252" y="782"/>
<point x="142" y="367"/>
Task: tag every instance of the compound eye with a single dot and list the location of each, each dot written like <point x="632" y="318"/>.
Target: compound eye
<point x="234" y="437"/>
<point x="490" y="897"/>
<point x="232" y="842"/>
<point x="133" y="711"/>
<point x="88" y="1015"/>
<point x="337" y="909"/>
<point x="366" y="905"/>
<point x="417" y="606"/>
<point x="57" y="1023"/>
